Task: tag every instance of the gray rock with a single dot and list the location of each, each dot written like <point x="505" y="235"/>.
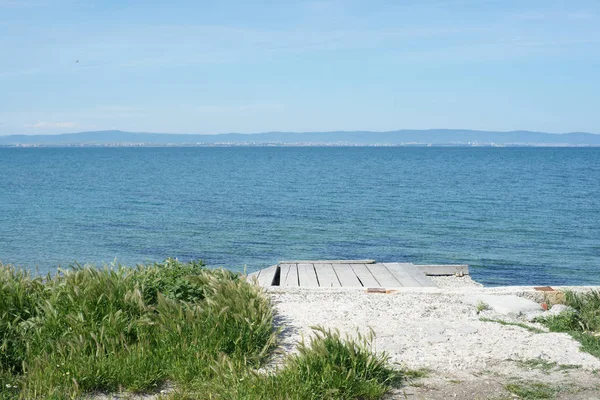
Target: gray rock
<point x="558" y="309"/>
<point x="532" y="316"/>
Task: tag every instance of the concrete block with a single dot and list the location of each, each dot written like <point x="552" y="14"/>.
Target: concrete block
<point x="509" y="304"/>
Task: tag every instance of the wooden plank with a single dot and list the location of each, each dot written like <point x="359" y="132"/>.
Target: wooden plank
<point x="405" y="278"/>
<point x="443" y="270"/>
<point x="307" y="276"/>
<point x="328" y="262"/>
<point x="383" y="275"/>
<point x="326" y="275"/>
<point x="417" y="274"/>
<point x="366" y="277"/>
<point x="267" y="275"/>
<point x="284" y="270"/>
<point x="346" y="275"/>
<point x="289" y="275"/>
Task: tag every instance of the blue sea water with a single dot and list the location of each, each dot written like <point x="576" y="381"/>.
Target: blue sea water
<point x="516" y="215"/>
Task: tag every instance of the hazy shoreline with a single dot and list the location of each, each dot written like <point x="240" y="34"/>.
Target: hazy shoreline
<point x="403" y="137"/>
<point x="225" y="145"/>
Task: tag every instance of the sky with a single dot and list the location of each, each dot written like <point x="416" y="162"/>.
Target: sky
<point x="256" y="66"/>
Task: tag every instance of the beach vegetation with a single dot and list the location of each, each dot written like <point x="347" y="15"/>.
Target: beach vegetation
<point x="203" y="333"/>
<point x="537" y="363"/>
<point x="582" y="322"/>
<point x="544" y="365"/>
<point x="419" y="373"/>
<point x="528" y="390"/>
<point x="568" y="367"/>
<point x="482" y="306"/>
<point x="531" y="329"/>
<point x="327" y="366"/>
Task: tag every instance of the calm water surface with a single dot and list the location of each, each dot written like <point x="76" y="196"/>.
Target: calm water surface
<point x="516" y="215"/>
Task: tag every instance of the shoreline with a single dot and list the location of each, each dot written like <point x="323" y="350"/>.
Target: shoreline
<point x="454" y="340"/>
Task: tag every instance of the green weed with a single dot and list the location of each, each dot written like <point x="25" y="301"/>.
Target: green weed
<point x="482" y="306"/>
<point x="420" y="373"/>
<point x="567" y="367"/>
<point x="520" y="325"/>
<point x="545" y="366"/>
<point x="583" y="324"/>
<point x="537" y="363"/>
<point x="531" y="390"/>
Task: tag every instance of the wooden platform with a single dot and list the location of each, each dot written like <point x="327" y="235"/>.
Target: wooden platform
<point x="352" y="273"/>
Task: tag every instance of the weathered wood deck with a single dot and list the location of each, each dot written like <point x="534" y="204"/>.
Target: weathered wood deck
<point x="352" y="273"/>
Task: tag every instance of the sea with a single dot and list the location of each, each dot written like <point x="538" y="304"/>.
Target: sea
<point x="517" y="216"/>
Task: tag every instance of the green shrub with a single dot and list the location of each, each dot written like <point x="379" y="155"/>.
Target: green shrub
<point x="583" y="323"/>
<point x="173" y="279"/>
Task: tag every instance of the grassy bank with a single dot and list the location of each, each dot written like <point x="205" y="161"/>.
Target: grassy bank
<point x="205" y="332"/>
<point x="582" y="322"/>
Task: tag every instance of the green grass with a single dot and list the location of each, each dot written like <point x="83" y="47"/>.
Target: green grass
<point x="328" y="366"/>
<point x="543" y="365"/>
<point x="583" y="324"/>
<point x="531" y="390"/>
<point x="568" y="367"/>
<point x="520" y="325"/>
<point x="537" y="363"/>
<point x="482" y="306"/>
<point x="206" y="332"/>
<point x="412" y="374"/>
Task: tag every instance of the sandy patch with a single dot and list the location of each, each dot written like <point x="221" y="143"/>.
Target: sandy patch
<point x="435" y="328"/>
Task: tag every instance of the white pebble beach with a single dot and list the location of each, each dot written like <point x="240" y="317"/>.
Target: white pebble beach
<point x="439" y="330"/>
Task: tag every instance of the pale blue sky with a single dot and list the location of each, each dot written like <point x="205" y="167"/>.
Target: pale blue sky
<point x="253" y="66"/>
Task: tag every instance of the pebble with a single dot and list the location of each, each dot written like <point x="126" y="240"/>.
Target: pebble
<point x="454" y="281"/>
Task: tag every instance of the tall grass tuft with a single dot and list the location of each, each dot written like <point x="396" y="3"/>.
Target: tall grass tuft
<point x="328" y="366"/>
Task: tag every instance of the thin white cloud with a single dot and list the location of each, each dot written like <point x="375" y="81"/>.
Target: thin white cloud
<point x="214" y="109"/>
<point x="51" y="125"/>
<point x="544" y="15"/>
<point x="91" y="113"/>
<point x="21" y="3"/>
<point x="46" y="122"/>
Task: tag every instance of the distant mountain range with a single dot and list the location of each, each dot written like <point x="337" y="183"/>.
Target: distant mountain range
<point x="451" y="137"/>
